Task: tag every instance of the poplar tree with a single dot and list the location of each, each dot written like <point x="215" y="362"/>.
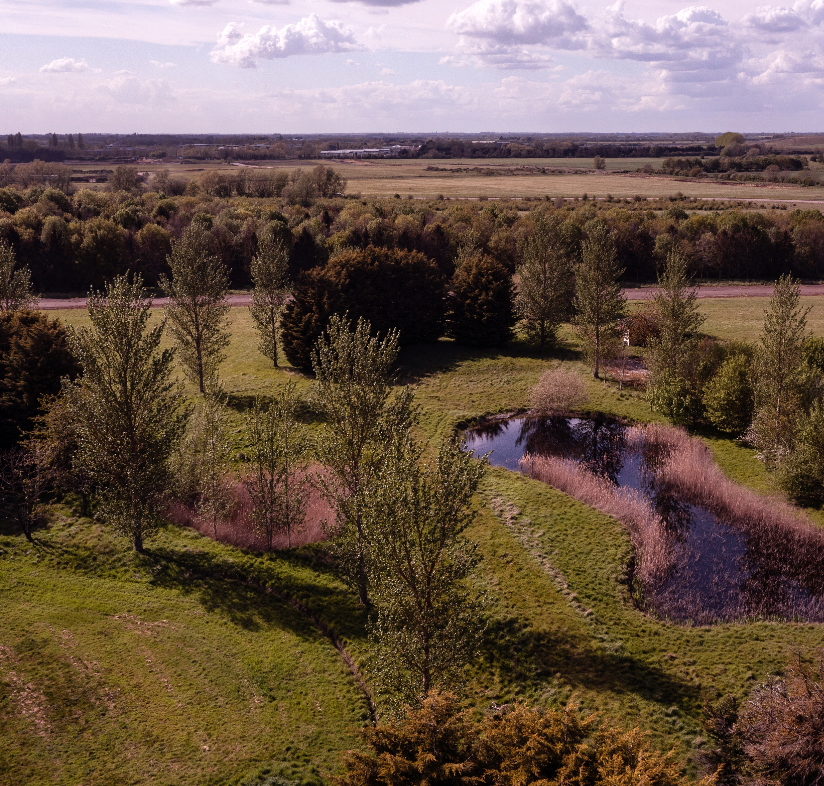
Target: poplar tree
<point x="428" y="620"/>
<point x="15" y="285"/>
<point x="270" y="274"/>
<point x="125" y="409"/>
<point x="278" y="448"/>
<point x="353" y="392"/>
<point x="197" y="310"/>
<point x="779" y="371"/>
<point x="599" y="301"/>
<point x="545" y="281"/>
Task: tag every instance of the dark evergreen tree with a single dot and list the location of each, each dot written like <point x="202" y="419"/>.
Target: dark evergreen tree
<point x="34" y="357"/>
<point x="391" y="289"/>
<point x="305" y="317"/>
<point x="480" y="307"/>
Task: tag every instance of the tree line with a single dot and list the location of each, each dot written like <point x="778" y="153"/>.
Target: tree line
<point x="73" y="241"/>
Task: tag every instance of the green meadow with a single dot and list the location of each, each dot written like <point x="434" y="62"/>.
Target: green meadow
<point x="197" y="663"/>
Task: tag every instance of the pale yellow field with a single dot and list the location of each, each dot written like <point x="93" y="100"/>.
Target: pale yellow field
<point x="512" y="178"/>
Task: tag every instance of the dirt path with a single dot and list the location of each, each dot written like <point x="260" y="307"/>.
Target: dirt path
<point x="741" y="290"/>
<point x="640" y="293"/>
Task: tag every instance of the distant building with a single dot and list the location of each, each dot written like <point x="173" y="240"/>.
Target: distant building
<point x="370" y="152"/>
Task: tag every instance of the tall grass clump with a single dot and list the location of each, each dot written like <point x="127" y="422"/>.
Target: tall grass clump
<point x="558" y="390"/>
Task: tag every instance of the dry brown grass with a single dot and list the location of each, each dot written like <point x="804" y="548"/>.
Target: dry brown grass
<point x="646" y="530"/>
<point x="558" y="390"/>
<point x="238" y="529"/>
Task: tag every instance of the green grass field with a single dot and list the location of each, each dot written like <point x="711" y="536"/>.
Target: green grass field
<point x="190" y="665"/>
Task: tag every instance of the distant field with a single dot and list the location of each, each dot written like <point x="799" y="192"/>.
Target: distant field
<point x="505" y="178"/>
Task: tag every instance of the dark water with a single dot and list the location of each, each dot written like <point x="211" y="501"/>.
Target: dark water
<point x="719" y="573"/>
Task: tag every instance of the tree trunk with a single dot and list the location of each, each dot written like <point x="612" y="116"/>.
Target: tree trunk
<point x="138" y="541"/>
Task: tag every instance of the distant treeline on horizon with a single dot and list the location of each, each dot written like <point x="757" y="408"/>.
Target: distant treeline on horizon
<point x="52" y="147"/>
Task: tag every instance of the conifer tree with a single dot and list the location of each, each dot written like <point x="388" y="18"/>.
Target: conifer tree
<point x="599" y="301"/>
<point x="197" y="309"/>
<point x="270" y="274"/>
<point x="545" y="281"/>
<point x="481" y="307"/>
<point x="779" y="371"/>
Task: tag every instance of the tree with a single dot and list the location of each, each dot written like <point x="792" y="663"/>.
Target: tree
<point x="599" y="301"/>
<point x="779" y="371"/>
<point x="545" y="281"/>
<point x="278" y="449"/>
<point x="678" y="320"/>
<point x="801" y="471"/>
<point x="15" y="285"/>
<point x="25" y="476"/>
<point x="197" y="309"/>
<point x="126" y="408"/>
<point x="270" y="274"/>
<point x="481" y="305"/>
<point x="599" y="163"/>
<point x="34" y="357"/>
<point x="205" y="458"/>
<point x="728" y="396"/>
<point x="428" y="622"/>
<point x="353" y="392"/>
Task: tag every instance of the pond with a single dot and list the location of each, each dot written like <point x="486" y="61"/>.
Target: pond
<point x="718" y="572"/>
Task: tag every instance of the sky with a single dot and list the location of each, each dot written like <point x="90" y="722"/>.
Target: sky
<point x="422" y="66"/>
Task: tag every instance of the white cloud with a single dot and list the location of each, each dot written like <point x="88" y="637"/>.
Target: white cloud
<point x="351" y="62"/>
<point x="128" y="88"/>
<point x="387" y="72"/>
<point x="7" y="80"/>
<point x="160" y="64"/>
<point x="193" y="2"/>
<point x="518" y="22"/>
<point x="65" y="65"/>
<point x="773" y="20"/>
<point x="310" y="36"/>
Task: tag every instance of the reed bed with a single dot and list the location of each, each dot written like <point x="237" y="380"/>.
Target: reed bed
<point x="238" y="528"/>
<point x="708" y="550"/>
<point x="646" y="530"/>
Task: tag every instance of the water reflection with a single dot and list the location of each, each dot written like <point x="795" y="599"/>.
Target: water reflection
<point x="718" y="572"/>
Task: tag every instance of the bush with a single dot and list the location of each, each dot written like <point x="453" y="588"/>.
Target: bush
<point x="34" y="357"/>
<point x="642" y="325"/>
<point x="387" y="287"/>
<point x="800" y="473"/>
<point x="481" y="306"/>
<point x="782" y="726"/>
<point x="729" y="395"/>
<point x="439" y="744"/>
<point x="558" y="390"/>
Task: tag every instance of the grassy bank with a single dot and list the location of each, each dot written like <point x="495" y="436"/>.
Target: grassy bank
<point x="192" y="664"/>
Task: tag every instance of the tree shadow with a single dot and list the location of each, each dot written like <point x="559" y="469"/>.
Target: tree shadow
<point x="417" y="362"/>
<point x="533" y="657"/>
<point x="243" y="403"/>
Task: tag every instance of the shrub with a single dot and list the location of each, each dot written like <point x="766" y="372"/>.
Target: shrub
<point x="782" y="725"/>
<point x="642" y="325"/>
<point x="800" y="473"/>
<point x="440" y="744"/>
<point x="728" y="396"/>
<point x="558" y="390"/>
<point x="34" y="357"/>
<point x="481" y="307"/>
